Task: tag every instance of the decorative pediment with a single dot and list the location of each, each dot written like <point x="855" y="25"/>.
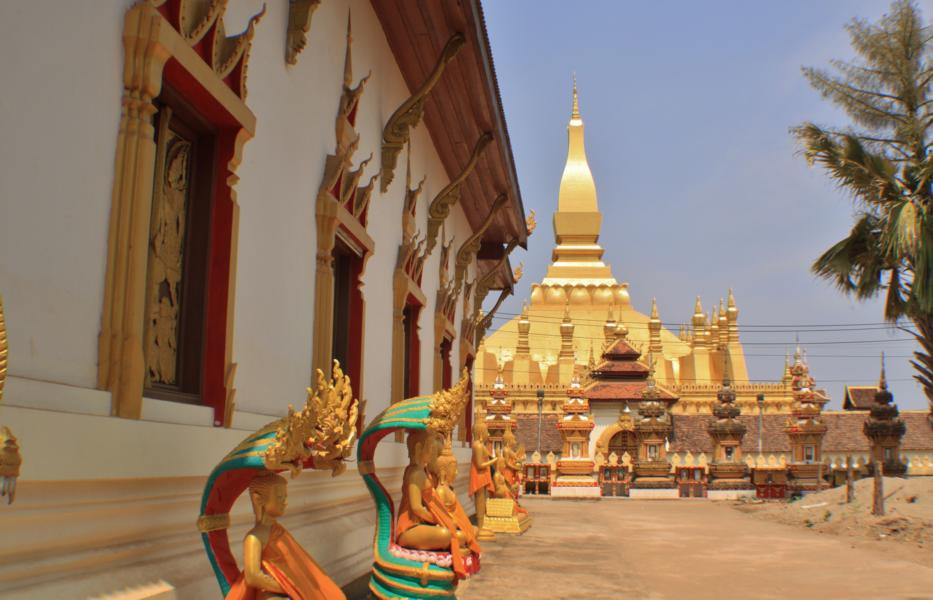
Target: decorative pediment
<point x="341" y="183"/>
<point x="447" y="292"/>
<point x="412" y="253"/>
<point x="201" y="24"/>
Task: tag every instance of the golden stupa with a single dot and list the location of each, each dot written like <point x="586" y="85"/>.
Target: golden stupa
<point x="580" y="307"/>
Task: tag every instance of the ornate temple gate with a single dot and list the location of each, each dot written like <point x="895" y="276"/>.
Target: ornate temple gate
<point x="770" y="483"/>
<point x="691" y="482"/>
<point x="614" y="480"/>
<point x="537" y="479"/>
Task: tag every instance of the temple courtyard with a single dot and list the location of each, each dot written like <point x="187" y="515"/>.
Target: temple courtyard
<point x="673" y="549"/>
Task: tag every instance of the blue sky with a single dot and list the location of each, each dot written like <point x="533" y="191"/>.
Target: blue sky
<point x="687" y="107"/>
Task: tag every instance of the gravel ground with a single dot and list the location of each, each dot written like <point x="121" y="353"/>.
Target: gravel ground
<point x="694" y="549"/>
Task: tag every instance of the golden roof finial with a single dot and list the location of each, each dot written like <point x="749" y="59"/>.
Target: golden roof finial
<point x="882" y="380"/>
<point x="577" y="255"/>
<point x="731" y="299"/>
<point x="348" y="60"/>
<point x="575" y="112"/>
<point x="654" y="309"/>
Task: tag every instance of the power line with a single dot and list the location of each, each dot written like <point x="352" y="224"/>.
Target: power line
<point x="807" y="343"/>
<point x="744" y="327"/>
<point x="734" y="381"/>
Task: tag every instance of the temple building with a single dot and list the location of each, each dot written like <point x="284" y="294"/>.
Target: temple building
<point x="204" y="202"/>
<point x="663" y="407"/>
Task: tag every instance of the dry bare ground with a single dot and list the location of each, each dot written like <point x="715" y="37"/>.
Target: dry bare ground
<point x="906" y="528"/>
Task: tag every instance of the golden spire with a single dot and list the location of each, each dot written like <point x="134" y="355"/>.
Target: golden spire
<point x="577" y="257"/>
<point x="575" y="111"/>
<point x="654" y="328"/>
<point x="698" y="316"/>
<point x="348" y="59"/>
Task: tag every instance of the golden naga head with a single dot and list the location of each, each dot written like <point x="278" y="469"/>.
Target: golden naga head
<point x="323" y="431"/>
<point x="531" y="223"/>
<point x="448" y="405"/>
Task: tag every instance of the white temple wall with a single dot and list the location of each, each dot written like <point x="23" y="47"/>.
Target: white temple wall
<point x="604" y="414"/>
<point x="139" y="481"/>
<point x="58" y="129"/>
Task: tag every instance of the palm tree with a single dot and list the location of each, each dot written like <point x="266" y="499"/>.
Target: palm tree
<point x="884" y="161"/>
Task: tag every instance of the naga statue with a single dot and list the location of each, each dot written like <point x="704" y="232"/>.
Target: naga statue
<point x="10" y="457"/>
<point x="425" y="549"/>
<point x="319" y="436"/>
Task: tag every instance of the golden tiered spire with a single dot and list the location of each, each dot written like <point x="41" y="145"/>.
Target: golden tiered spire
<point x="577" y="257"/>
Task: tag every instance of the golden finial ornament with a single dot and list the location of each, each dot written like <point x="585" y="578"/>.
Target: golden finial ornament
<point x="575" y="111"/>
<point x="447" y="406"/>
<point x="531" y="222"/>
<point x="518" y="272"/>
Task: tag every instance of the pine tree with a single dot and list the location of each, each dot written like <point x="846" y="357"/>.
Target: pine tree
<point x="884" y="160"/>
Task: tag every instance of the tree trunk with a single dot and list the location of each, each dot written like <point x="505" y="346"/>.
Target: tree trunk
<point x="923" y="358"/>
<point x="877" y="505"/>
<point x="850" y="483"/>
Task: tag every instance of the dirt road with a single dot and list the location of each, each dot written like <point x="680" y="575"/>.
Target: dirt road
<point x="683" y="549"/>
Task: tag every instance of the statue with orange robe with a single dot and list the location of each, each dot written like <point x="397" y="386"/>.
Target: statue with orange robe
<point x="510" y="466"/>
<point x="423" y="522"/>
<point x="481" y="484"/>
<point x="503" y="489"/>
<point x="446" y="474"/>
<point x="274" y="564"/>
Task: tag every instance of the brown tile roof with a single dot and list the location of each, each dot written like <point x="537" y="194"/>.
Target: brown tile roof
<point x="621" y="349"/>
<point x="859" y="397"/>
<point x="527" y="433"/>
<point x="844" y="433"/>
<point x="690" y="434"/>
<point x="622" y="390"/>
<point x="614" y="366"/>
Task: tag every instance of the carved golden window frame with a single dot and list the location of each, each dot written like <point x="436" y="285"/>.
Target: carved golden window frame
<point x="150" y="43"/>
<point x="444" y="330"/>
<point x="405" y="291"/>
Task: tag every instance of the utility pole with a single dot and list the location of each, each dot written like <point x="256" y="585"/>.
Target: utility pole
<point x="540" y="411"/>
<point x="877" y="505"/>
<point x="850" y="483"/>
<point x="761" y="409"/>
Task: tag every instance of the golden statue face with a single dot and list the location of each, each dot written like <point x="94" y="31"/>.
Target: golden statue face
<point x="276" y="500"/>
<point x="432" y="449"/>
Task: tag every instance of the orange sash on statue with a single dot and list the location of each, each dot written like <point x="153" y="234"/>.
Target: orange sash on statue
<point x="509" y="475"/>
<point x="452" y="523"/>
<point x="480" y="478"/>
<point x="406" y="517"/>
<point x="287" y="562"/>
